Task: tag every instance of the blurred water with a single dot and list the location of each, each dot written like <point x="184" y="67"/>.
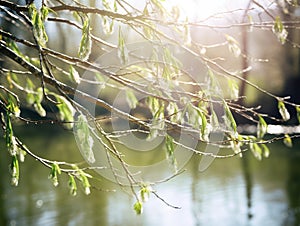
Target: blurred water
<point x="230" y="192"/>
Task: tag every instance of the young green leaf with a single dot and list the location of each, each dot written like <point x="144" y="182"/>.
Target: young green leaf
<point x="256" y="150"/>
<point x="145" y="192"/>
<point x="84" y="137"/>
<point x="283" y="111"/>
<point x="250" y="21"/>
<point x="148" y="30"/>
<point x="261" y="127"/>
<point x="85" y="181"/>
<point x="72" y="185"/>
<point x="39" y="109"/>
<point x="170" y="151"/>
<point x="106" y="4"/>
<point x="152" y="134"/>
<point x="229" y="119"/>
<point x="76" y="16"/>
<point x="173" y="112"/>
<point x="153" y="104"/>
<point x="21" y="154"/>
<point x="45" y="11"/>
<point x="193" y="114"/>
<point x="108" y="25"/>
<point x="66" y="111"/>
<point x="74" y="74"/>
<point x="14" y="47"/>
<point x="265" y="149"/>
<point x="85" y="47"/>
<point x="38" y="24"/>
<point x="11" y="77"/>
<point x="39" y="95"/>
<point x="159" y="114"/>
<point x="30" y="96"/>
<point x="115" y="6"/>
<point x="234" y="89"/>
<point x="157" y="108"/>
<point x="13" y="105"/>
<point x="13" y="147"/>
<point x="35" y="98"/>
<point x="279" y="30"/>
<point x="298" y="113"/>
<point x="9" y="137"/>
<point x="171" y="60"/>
<point x="122" y="49"/>
<point x="15" y="171"/>
<point x="213" y="82"/>
<point x="138" y="207"/>
<point x="233" y="45"/>
<point x="157" y="127"/>
<point x="166" y="73"/>
<point x="288" y="141"/>
<point x="55" y="171"/>
<point x="236" y="146"/>
<point x="204" y="127"/>
<point x="235" y="143"/>
<point x="159" y="7"/>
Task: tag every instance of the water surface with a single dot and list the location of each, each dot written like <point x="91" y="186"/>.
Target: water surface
<point x="230" y="192"/>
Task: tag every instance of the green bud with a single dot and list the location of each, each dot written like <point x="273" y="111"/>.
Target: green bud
<point x="138" y="207"/>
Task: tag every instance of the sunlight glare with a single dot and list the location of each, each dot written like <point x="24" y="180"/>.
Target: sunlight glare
<point x="197" y="10"/>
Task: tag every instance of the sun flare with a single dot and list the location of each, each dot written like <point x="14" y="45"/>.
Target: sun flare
<point x="201" y="9"/>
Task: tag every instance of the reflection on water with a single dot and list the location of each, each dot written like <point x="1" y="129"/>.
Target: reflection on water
<point x="230" y="192"/>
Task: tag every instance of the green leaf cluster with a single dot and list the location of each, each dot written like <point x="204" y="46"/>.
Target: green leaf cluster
<point x="108" y="22"/>
<point x="54" y="172"/>
<point x="35" y="97"/>
<point x="66" y="110"/>
<point x="83" y="177"/>
<point x="279" y="30"/>
<point x="14" y="149"/>
<point x="38" y="18"/>
<point x="233" y="46"/>
<point x="144" y="195"/>
<point x="258" y="148"/>
<point x="145" y="192"/>
<point x="158" y="6"/>
<point x="138" y="207"/>
<point x="73" y="174"/>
